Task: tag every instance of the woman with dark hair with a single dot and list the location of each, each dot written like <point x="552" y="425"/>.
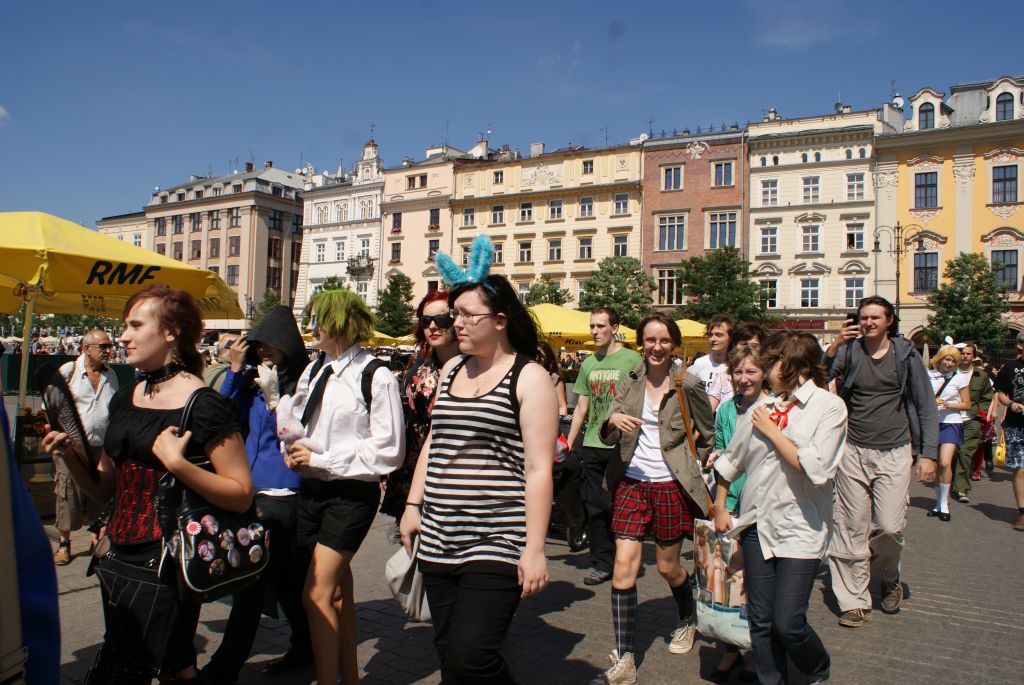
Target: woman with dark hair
<point x="436" y="344"/>
<point x="656" y="484"/>
<point x="357" y="441"/>
<point x="790" y="450"/>
<point x="152" y="635"/>
<point x="549" y="360"/>
<point x="481" y="496"/>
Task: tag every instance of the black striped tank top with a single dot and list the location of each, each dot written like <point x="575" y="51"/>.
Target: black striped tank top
<point x="474" y="502"/>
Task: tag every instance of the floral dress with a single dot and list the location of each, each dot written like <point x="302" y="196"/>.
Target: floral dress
<point x="419" y="390"/>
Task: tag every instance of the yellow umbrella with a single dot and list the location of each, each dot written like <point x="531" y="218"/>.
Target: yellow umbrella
<point x="570" y="328"/>
<point x="691" y="329"/>
<point x="58" y="267"/>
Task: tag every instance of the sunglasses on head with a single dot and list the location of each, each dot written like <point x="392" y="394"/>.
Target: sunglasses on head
<point x="440" y="320"/>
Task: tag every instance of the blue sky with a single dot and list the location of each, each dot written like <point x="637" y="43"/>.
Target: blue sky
<point x="102" y="101"/>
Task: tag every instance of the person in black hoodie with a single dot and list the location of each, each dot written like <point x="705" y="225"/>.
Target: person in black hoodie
<point x="264" y="366"/>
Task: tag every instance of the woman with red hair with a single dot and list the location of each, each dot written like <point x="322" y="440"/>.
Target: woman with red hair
<point x="435" y="345"/>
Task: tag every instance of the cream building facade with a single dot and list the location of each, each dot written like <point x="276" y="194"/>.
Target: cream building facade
<point x="342" y="218"/>
<point x="812" y="214"/>
<point x="555" y="214"/>
<point x="130" y="228"/>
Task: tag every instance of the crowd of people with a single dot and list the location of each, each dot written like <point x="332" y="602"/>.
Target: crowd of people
<point x="803" y="456"/>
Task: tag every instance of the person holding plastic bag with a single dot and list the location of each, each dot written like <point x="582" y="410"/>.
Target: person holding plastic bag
<point x="790" y="450"/>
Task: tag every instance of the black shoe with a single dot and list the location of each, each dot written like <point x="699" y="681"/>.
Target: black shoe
<point x="933" y="512"/>
<point x="945" y="516"/>
<point x="596" y="577"/>
<point x="961" y="497"/>
<point x="291" y="659"/>
<point x="720" y="675"/>
<point x="990" y="465"/>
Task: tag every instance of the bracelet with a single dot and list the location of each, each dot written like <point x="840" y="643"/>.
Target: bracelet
<point x="418" y="505"/>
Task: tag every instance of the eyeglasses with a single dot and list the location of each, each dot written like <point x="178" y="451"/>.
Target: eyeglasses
<point x="471" y="319"/>
<point x="442" y="321"/>
<point x="102" y="346"/>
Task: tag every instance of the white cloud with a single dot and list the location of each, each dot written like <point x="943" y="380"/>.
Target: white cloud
<point x="802" y="24"/>
<point x="4" y="114"/>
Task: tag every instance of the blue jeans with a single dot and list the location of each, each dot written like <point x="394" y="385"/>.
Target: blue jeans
<point x="778" y="591"/>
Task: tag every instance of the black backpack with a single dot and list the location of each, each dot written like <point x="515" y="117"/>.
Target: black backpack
<point x="366" y="378"/>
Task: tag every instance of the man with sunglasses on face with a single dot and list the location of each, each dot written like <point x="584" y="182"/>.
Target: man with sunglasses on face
<point x="92" y="384"/>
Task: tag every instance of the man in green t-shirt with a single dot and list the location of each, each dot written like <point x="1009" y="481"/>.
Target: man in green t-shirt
<point x="595" y="387"/>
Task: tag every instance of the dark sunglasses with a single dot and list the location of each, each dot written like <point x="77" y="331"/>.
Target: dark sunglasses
<point x="442" y="321"/>
<point x="102" y="346"/>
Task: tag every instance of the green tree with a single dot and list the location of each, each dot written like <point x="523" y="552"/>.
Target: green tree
<point x="969" y="304"/>
<point x="620" y="283"/>
<point x="270" y="300"/>
<point x="719" y="283"/>
<point x="546" y="290"/>
<point x="330" y="283"/>
<point x="394" y="313"/>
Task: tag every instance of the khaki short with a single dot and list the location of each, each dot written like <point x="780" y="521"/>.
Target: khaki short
<point x="73" y="505"/>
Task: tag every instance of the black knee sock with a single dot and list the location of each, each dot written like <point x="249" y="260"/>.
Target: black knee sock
<point x="624" y="605"/>
<point x="684" y="598"/>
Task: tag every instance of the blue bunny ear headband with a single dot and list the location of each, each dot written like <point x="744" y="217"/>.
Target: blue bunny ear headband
<point x="480" y="256"/>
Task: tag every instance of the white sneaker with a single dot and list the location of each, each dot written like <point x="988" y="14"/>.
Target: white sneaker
<point x="683" y="636"/>
<point x="622" y="671"/>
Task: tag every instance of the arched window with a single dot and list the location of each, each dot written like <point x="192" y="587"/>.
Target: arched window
<point x="817" y="156"/>
<point x="764" y="161"/>
<point x="344" y="212"/>
<point x="1004" y="107"/>
<point x="926" y="116"/>
<point x="803" y="157"/>
<point x="862" y="153"/>
<point x="321" y="214"/>
<point x="849" y="153"/>
<point x="775" y="160"/>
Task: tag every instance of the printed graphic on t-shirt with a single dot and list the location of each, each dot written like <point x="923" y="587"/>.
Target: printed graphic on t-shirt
<point x="603" y="384"/>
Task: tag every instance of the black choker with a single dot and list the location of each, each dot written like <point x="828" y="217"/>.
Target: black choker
<point x="157" y="376"/>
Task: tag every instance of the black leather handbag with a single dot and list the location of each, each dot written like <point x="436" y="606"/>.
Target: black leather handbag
<point x="208" y="553"/>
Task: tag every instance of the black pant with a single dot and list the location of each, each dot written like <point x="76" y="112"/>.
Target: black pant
<point x="471" y="606"/>
<point x="598" y="504"/>
<point x="778" y="591"/>
<point x="285" y="576"/>
<point x="568" y="492"/>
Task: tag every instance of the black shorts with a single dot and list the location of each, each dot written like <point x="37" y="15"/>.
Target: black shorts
<point x="336" y="513"/>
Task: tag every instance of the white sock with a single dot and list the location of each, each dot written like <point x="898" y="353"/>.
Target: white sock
<point x="942" y="497"/>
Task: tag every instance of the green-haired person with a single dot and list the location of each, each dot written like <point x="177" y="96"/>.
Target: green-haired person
<point x="353" y="438"/>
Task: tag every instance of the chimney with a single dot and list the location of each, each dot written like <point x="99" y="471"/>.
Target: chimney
<point x="772" y="115"/>
<point x="248" y="167"/>
<point x="847" y="109"/>
<point x="536" y="149"/>
<point x="268" y="164"/>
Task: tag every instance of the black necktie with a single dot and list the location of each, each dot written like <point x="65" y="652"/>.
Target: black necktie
<point x="317" y="395"/>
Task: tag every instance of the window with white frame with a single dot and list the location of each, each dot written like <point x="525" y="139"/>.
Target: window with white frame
<point x="588" y="166"/>
<point x="622" y="203"/>
<point x="499" y="252"/>
<point x="499" y="177"/>
<point x="555" y="250"/>
<point x="1004" y="265"/>
<point x="586" y="245"/>
<point x="362" y="290"/>
<point x="1004" y="183"/>
<point x="525" y="251"/>
<point x="465" y="255"/>
<point x="855" y="186"/>
<point x="554" y="209"/>
<point x="498" y="214"/>
<point x="672" y="177"/>
<point x="1004" y="107"/>
<point x="810" y="238"/>
<point x="526" y="211"/>
<point x="433" y="246"/>
<point x="364" y="247"/>
<point x="672" y="232"/>
<point x="586" y="206"/>
<point x="321" y="252"/>
<point x="811" y="188"/>
<point x="468" y="216"/>
<point x="524" y="289"/>
<point x="855" y="237"/>
<point x="853" y="292"/>
<point x="581" y="290"/>
<point x="670" y="291"/>
<point x="339" y="250"/>
<point x="137" y="239"/>
<point x="809" y="292"/>
<point x="723" y="174"/>
<point x="620" y="246"/>
<point x="770" y="192"/>
<point x="769" y="240"/>
<point x="769" y="293"/>
<point x="722" y="227"/>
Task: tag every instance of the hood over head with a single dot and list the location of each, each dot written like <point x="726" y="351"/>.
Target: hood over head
<point x="279" y="329"/>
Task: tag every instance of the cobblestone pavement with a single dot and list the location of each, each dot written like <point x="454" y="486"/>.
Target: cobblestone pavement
<point x="961" y="621"/>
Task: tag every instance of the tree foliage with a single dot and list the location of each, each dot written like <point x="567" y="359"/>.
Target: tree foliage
<point x="330" y="283"/>
<point x="394" y="310"/>
<point x="720" y="283"/>
<point x="270" y="300"/>
<point x="620" y="283"/>
<point x="969" y="304"/>
<point x="546" y="290"/>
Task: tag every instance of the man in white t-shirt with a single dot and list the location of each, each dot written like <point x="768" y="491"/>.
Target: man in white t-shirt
<point x="711" y="368"/>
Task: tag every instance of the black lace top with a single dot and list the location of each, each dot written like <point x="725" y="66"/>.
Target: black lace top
<point x="129" y="443"/>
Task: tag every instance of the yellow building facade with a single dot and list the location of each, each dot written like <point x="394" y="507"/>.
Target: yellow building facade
<point x="950" y="182"/>
<point x="555" y="214"/>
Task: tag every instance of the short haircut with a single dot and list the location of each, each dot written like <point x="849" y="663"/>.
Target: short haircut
<point x="660" y="317"/>
<point x="613" y="316"/>
<point x="721" y="320"/>
<point x="342" y="313"/>
<point x="971" y="345"/>
<point x="745" y="333"/>
<point x="742" y="352"/>
<point x="942" y="353"/>
<point x="797" y="354"/>
<point x="890" y="312"/>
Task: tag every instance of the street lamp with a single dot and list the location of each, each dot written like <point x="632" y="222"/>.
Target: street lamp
<point x="899" y="235"/>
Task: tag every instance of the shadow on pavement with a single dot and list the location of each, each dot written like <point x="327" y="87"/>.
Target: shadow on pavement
<point x="996" y="512"/>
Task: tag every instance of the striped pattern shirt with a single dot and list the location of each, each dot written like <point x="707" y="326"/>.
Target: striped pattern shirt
<point x="474" y="503"/>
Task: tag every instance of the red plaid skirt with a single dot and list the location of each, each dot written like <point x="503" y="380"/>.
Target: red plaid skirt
<point x="661" y="510"/>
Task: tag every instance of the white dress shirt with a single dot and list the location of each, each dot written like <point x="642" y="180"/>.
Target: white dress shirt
<point x="793" y="510"/>
<point x="92" y="403"/>
<point x="356" y="445"/>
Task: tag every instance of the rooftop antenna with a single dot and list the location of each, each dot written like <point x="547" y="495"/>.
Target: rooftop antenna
<point x="373" y="127"/>
<point x="446" y="133"/>
<point x="605" y="129"/>
<point x="209" y="171"/>
<point x="302" y="158"/>
<point x="252" y="157"/>
<point x="892" y="87"/>
<point x="650" y="126"/>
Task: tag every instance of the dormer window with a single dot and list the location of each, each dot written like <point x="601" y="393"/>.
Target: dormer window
<point x="1004" y="107"/>
<point x="926" y="116"/>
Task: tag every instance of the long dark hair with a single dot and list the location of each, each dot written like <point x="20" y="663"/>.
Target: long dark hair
<point x="177" y="313"/>
<point x="890" y="312"/>
<point x="502" y="298"/>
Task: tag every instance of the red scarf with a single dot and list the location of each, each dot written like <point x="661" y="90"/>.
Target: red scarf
<point x="780" y="417"/>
